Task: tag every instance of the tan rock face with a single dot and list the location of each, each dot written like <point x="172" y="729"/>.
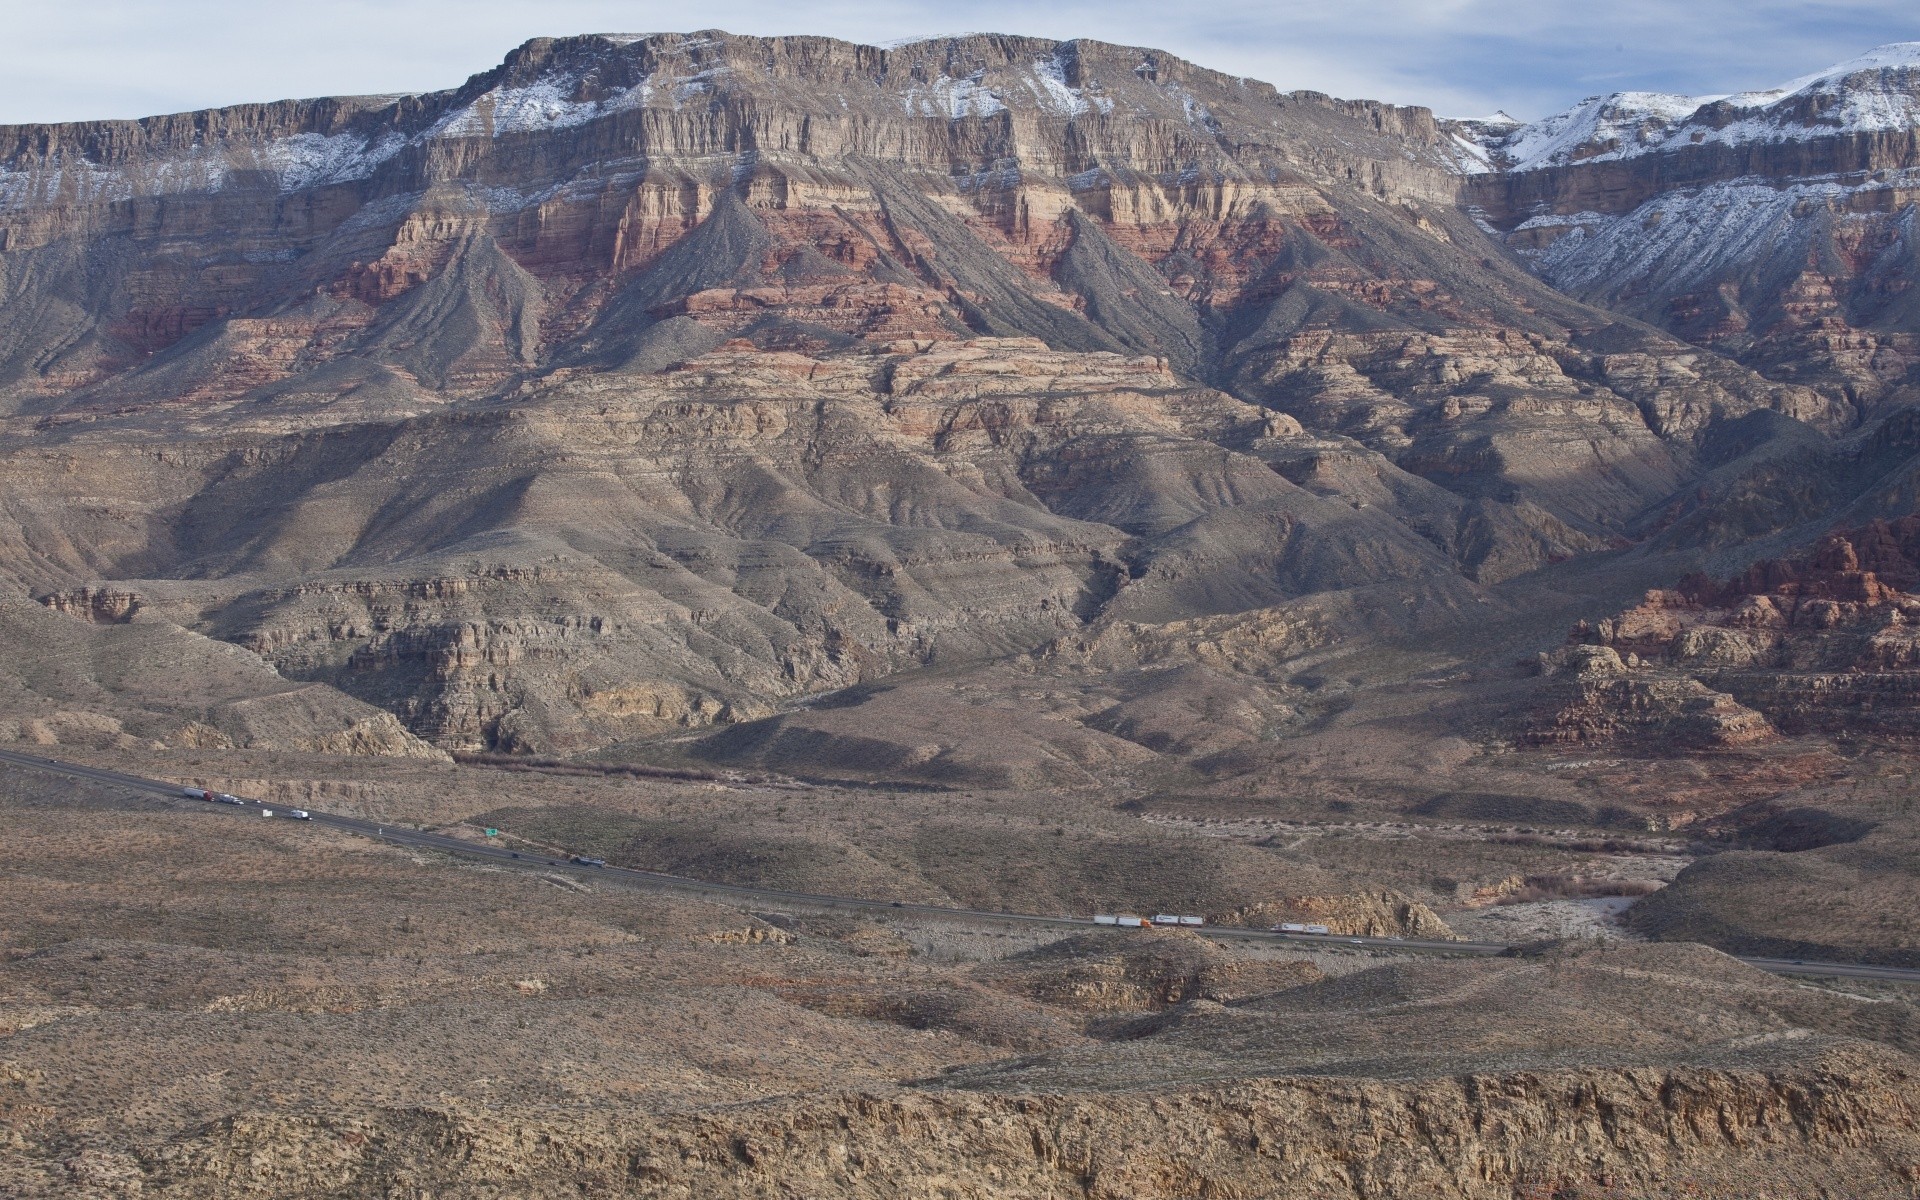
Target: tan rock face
<point x="1384" y="913"/>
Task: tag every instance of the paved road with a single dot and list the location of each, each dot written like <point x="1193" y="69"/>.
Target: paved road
<point x="403" y="836"/>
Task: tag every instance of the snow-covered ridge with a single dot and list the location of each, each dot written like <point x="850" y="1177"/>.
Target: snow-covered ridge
<point x="311" y="160"/>
<point x="572" y="92"/>
<point x="1875" y="93"/>
<point x="1684" y="240"/>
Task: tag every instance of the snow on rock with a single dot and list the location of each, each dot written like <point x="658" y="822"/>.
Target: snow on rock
<point x="1684" y="240"/>
<point x="310" y="160"/>
<point x="1630" y="122"/>
<point x="1874" y="93"/>
<point x="546" y="104"/>
<point x="954" y="99"/>
<point x="1048" y="82"/>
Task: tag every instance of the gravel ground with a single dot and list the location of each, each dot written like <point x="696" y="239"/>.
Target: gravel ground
<point x="1597" y="918"/>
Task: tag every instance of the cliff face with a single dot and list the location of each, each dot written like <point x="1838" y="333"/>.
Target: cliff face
<point x="581" y="159"/>
<point x="1774" y="226"/>
<point x="648" y="383"/>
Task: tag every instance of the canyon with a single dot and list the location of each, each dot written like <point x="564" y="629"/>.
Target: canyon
<point x="1026" y="475"/>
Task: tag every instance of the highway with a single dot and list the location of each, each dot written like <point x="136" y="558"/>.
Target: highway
<point x="766" y="897"/>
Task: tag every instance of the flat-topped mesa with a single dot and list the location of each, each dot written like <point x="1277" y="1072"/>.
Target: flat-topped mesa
<point x="554" y="209"/>
<point x="966" y="107"/>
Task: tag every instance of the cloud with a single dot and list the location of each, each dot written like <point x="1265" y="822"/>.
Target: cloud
<point x="125" y="58"/>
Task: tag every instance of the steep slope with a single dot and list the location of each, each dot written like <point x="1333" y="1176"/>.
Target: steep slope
<point x="647" y="383"/>
<point x="1775" y="226"/>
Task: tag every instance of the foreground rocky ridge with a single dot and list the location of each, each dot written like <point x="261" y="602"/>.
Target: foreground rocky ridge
<point x="712" y="1052"/>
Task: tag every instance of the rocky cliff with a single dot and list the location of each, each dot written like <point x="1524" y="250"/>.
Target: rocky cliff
<point x="1775" y="226"/>
<point x="647" y="383"/>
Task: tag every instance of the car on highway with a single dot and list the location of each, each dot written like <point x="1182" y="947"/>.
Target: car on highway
<point x="581" y="860"/>
<point x="300" y="814"/>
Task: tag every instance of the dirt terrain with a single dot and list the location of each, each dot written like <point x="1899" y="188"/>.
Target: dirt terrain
<point x="196" y="1004"/>
<point x="993" y="472"/>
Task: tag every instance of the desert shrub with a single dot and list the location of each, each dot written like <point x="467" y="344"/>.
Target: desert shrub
<point x="1568" y="886"/>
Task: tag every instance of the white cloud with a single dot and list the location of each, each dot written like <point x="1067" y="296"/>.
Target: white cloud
<point x="124" y="58"/>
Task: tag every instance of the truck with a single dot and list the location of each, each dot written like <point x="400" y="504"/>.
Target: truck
<point x="1318" y="929"/>
<point x="300" y="814"/>
<point x="196" y="793"/>
<point x="1166" y="919"/>
<point x="266" y="812"/>
<point x="1105" y="919"/>
<point x="581" y="860"/>
<point x="1130" y="921"/>
<point x="1288" y="927"/>
<point x="1191" y="921"/>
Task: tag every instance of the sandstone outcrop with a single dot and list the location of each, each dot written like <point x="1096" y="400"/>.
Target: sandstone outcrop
<point x="1383" y="913"/>
<point x="1818" y="643"/>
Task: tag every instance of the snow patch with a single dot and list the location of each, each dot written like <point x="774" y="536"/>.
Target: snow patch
<point x="537" y="106"/>
<point x="1470" y="154"/>
<point x="1875" y="93"/>
<point x="310" y="160"/>
<point x="1048" y="82"/>
<point x="1682" y="241"/>
<point x="954" y="99"/>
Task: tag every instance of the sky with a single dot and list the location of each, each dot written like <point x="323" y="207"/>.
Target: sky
<point x="87" y="59"/>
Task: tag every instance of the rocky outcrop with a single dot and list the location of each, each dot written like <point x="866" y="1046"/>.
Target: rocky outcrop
<point x="1823" y="642"/>
<point x="1598" y="698"/>
<point x="1837" y="1123"/>
<point x="1382" y="913"/>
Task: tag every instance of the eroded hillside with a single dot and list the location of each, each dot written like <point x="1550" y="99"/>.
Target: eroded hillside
<point x="994" y="473"/>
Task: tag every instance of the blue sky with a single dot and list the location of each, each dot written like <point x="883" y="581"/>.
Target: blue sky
<point x="123" y="58"/>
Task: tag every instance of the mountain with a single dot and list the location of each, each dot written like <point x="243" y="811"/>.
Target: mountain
<point x="647" y="384"/>
<point x="1774" y="226"/>
<point x="650" y="382"/>
<point x="1018" y="476"/>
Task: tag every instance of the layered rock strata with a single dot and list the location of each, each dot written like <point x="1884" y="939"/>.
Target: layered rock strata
<point x="1822" y="643"/>
<point x="1775" y="226"/>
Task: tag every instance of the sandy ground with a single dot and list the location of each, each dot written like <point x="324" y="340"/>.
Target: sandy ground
<point x="1597" y="918"/>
